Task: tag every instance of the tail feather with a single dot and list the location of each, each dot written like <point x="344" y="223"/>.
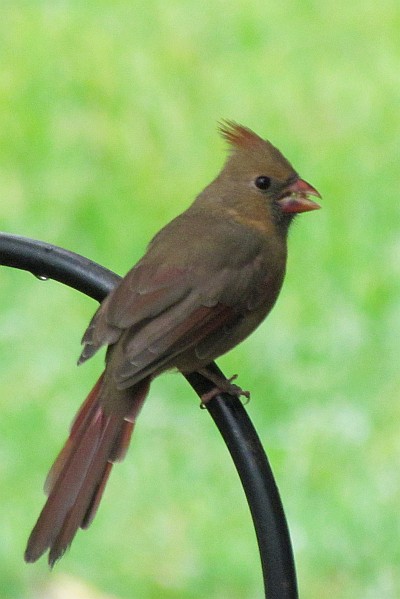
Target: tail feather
<point x="84" y="415"/>
<point x="75" y="515"/>
<point x="77" y="479"/>
<point x="118" y="451"/>
<point x="95" y="501"/>
<point x="117" y="454"/>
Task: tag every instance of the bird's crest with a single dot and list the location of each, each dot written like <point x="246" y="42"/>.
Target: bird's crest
<point x="238" y="136"/>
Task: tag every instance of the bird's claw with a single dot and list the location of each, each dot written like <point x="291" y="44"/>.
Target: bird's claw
<point x="224" y="386"/>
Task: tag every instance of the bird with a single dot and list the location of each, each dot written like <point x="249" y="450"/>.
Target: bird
<point x="206" y="281"/>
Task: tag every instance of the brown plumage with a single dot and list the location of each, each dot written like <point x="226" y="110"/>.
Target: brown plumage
<point x="206" y="282"/>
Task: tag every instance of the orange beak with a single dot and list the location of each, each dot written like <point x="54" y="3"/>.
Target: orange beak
<point x="295" y="197"/>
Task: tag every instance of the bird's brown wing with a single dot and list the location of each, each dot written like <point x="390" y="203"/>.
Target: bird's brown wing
<point x="202" y="321"/>
<point x="143" y="294"/>
<point x="139" y="361"/>
<point x="162" y="309"/>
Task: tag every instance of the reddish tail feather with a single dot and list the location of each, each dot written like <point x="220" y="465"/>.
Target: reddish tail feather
<point x="77" y="479"/>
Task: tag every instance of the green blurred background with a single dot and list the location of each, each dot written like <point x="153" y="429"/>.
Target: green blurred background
<point x="108" y="115"/>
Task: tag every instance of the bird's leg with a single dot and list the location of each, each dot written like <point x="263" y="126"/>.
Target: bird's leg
<point x="222" y="385"/>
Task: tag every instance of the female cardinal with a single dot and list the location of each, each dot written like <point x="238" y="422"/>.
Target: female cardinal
<point x="206" y="282"/>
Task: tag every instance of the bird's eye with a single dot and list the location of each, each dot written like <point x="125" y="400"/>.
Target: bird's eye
<point x="262" y="182"/>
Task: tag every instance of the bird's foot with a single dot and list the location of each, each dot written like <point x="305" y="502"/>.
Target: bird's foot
<point x="222" y="385"/>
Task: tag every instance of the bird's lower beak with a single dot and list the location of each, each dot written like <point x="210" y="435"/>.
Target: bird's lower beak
<point x="295" y="197"/>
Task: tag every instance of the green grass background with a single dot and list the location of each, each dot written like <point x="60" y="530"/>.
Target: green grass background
<point x="108" y="113"/>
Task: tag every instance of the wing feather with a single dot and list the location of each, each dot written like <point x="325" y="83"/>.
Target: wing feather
<point x="163" y="353"/>
<point x="160" y="309"/>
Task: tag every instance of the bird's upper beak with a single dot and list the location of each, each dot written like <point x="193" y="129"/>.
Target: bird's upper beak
<point x="295" y="197"/>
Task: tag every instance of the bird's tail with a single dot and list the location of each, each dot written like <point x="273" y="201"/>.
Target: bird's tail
<point x="78" y="477"/>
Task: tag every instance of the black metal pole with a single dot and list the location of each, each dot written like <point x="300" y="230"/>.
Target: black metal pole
<point x="48" y="261"/>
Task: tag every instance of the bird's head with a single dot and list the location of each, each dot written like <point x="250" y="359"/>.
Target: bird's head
<point x="256" y="167"/>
